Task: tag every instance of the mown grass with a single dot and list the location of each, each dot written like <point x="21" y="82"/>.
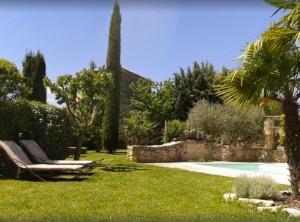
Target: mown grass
<point x="122" y="190"/>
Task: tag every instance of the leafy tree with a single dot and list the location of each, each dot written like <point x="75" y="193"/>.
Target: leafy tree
<point x="153" y="102"/>
<point x="270" y="70"/>
<point x="84" y="95"/>
<point x="157" y="99"/>
<point x="192" y="85"/>
<point x="110" y="134"/>
<point x="12" y="82"/>
<point x="139" y="127"/>
<point x="34" y="71"/>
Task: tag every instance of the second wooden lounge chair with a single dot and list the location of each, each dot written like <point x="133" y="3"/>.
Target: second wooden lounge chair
<point x="40" y="156"/>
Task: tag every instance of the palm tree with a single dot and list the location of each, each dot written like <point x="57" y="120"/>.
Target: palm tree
<point x="270" y="69"/>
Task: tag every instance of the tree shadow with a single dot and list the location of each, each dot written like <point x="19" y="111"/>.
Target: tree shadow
<point x="124" y="168"/>
<point x="121" y="152"/>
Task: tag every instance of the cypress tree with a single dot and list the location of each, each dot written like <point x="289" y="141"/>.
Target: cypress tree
<point x="34" y="71"/>
<point x="28" y="69"/>
<point x="39" y="91"/>
<point x="110" y="133"/>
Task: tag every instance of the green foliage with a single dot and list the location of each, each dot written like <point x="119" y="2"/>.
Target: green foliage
<point x="34" y="71"/>
<point x="138" y="127"/>
<point x="225" y="123"/>
<point x="11" y="81"/>
<point x="193" y="85"/>
<point x="49" y="126"/>
<point x="110" y="128"/>
<point x="39" y="92"/>
<point x="174" y="128"/>
<point x="157" y="99"/>
<point x="28" y="70"/>
<point x="241" y="186"/>
<point x="84" y="95"/>
<point x="261" y="187"/>
<point x="281" y="131"/>
<point x="273" y="108"/>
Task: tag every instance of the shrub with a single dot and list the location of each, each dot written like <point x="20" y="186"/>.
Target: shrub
<point x="241" y="186"/>
<point x="225" y="123"/>
<point x="173" y="129"/>
<point x="48" y="125"/>
<point x="261" y="187"/>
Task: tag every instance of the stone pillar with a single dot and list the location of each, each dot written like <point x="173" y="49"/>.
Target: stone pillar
<point x="269" y="134"/>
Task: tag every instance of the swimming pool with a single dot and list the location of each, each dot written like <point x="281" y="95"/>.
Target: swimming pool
<point x="253" y="167"/>
<point x="277" y="171"/>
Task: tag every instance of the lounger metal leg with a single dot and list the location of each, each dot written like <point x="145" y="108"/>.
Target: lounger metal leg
<point x="18" y="173"/>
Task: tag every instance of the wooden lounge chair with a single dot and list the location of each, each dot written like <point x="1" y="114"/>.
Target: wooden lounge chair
<point x="39" y="156"/>
<point x="19" y="158"/>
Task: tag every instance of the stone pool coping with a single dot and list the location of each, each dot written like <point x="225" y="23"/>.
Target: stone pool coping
<point x="195" y="167"/>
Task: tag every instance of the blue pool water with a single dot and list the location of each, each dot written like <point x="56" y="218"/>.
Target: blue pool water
<point x="277" y="171"/>
<point x="253" y="167"/>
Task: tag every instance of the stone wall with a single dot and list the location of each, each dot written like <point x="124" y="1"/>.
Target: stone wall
<point x="200" y="150"/>
<point x="204" y="151"/>
<point x="170" y="152"/>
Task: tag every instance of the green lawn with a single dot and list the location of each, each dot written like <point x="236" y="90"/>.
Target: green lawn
<point x="125" y="191"/>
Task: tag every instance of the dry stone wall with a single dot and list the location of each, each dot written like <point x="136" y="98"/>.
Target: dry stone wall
<point x="195" y="150"/>
<point x="203" y="151"/>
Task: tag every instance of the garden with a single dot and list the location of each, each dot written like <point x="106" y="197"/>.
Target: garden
<point x="106" y="113"/>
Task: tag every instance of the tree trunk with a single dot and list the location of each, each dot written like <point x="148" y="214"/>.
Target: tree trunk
<point x="78" y="147"/>
<point x="292" y="142"/>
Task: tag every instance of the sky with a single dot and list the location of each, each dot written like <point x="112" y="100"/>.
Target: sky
<point x="158" y="37"/>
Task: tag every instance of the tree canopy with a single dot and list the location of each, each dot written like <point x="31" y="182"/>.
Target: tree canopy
<point x="12" y="82"/>
<point x="84" y="96"/>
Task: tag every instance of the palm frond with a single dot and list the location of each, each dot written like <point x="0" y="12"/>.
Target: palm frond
<point x="282" y="4"/>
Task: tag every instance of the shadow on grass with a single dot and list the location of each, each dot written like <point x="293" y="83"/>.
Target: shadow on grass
<point x="120" y="152"/>
<point x="66" y="177"/>
<point x="124" y="168"/>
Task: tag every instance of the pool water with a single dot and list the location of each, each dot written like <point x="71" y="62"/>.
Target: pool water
<point x="277" y="171"/>
<point x="254" y="167"/>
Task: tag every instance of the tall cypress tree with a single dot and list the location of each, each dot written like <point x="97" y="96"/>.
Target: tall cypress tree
<point x="34" y="71"/>
<point x="28" y="69"/>
<point x="39" y="92"/>
<point x="110" y="133"/>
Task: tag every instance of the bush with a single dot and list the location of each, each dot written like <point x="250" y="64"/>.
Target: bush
<point x="241" y="186"/>
<point x="261" y="187"/>
<point x="174" y="128"/>
<point x="47" y="125"/>
<point x="225" y="123"/>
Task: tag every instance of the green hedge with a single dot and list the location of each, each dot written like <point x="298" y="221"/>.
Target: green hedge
<point x="47" y="125"/>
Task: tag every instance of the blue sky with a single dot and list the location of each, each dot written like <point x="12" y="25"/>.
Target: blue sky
<point x="157" y="38"/>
